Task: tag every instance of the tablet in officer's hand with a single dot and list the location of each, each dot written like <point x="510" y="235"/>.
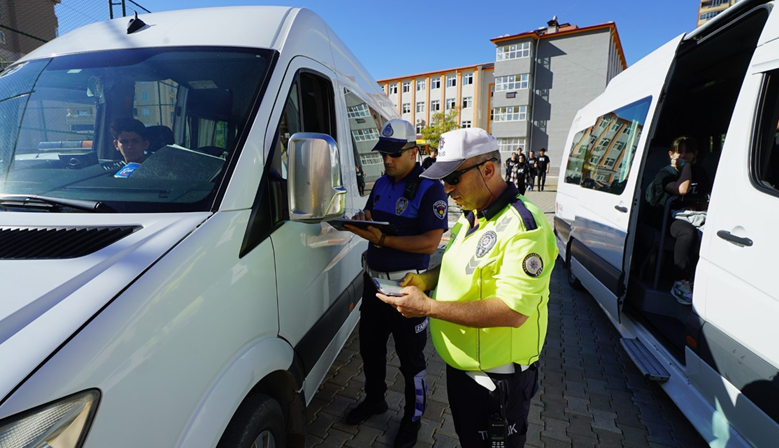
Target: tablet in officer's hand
<point x="388" y="287"/>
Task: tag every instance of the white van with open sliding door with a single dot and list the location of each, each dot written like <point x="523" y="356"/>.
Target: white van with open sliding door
<point x="718" y="358"/>
<point x="195" y="298"/>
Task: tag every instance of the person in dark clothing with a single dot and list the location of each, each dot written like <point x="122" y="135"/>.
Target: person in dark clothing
<point x="532" y="163"/>
<point x="417" y="208"/>
<point x="430" y="159"/>
<point x="511" y="165"/>
<point x="691" y="183"/>
<point x="521" y="174"/>
<point x="360" y="180"/>
<point x="542" y="168"/>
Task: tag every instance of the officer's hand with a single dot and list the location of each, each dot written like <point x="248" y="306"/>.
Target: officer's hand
<point x="412" y="279"/>
<point x="363" y="215"/>
<point x="372" y="234"/>
<point x="413" y="302"/>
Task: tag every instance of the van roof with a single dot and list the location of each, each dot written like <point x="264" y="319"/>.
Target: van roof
<point x="236" y="26"/>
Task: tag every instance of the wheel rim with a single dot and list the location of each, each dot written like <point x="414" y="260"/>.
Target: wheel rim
<point x="265" y="440"/>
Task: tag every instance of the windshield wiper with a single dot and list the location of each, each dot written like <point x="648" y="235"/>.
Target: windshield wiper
<point x="8" y="201"/>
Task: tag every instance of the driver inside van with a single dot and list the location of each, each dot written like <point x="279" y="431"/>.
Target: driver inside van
<point x="691" y="183"/>
<point x="130" y="139"/>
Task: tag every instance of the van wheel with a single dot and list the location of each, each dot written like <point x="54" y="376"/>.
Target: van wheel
<point x="572" y="280"/>
<point x="258" y="422"/>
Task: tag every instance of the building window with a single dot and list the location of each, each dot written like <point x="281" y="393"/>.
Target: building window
<point x="371" y="158"/>
<point x="420" y="107"/>
<point x="511" y="82"/>
<point x="515" y="51"/>
<point x="406" y="86"/>
<point x="465" y="124"/>
<point x="510" y="144"/>
<point x="420" y="85"/>
<point x="510" y="113"/>
<point x="435" y="106"/>
<point x="451" y="81"/>
<point x="435" y="83"/>
<point x="362" y="135"/>
<point x="145" y="112"/>
<point x="419" y="126"/>
<point x="709" y="15"/>
<point x="467" y="102"/>
<point x="393" y="89"/>
<point x="468" y="79"/>
<point x="451" y="103"/>
<point x="360" y="110"/>
<point x="406" y="108"/>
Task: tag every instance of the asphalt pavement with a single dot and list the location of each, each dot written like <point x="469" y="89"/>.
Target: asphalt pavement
<point x="590" y="395"/>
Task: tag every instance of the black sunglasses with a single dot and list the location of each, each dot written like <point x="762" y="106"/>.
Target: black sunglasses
<point x="453" y="178"/>
<point x="395" y="155"/>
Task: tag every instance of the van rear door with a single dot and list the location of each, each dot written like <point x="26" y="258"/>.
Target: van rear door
<point x="605" y="160"/>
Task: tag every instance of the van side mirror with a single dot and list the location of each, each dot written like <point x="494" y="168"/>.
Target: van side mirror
<point x="316" y="190"/>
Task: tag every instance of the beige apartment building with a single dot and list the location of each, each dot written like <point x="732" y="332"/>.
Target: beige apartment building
<point x="710" y="8"/>
<point x="24" y="26"/>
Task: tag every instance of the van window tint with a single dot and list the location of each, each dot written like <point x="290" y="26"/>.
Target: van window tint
<point x="765" y="152"/>
<point x="601" y="154"/>
<point x="365" y="125"/>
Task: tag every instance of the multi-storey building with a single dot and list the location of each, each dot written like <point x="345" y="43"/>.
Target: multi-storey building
<point x="710" y="8"/>
<point x="464" y="89"/>
<point x="25" y="26"/>
<point x="528" y="97"/>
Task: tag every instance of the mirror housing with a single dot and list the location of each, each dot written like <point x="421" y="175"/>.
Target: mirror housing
<point x="316" y="190"/>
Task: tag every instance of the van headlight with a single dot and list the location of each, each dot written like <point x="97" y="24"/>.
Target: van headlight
<point x="61" y="424"/>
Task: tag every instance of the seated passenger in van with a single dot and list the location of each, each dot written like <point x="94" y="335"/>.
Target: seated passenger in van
<point x="130" y="139"/>
<point x="691" y="183"/>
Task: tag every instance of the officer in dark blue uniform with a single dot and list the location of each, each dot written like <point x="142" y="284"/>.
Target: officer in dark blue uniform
<point x="417" y="208"/>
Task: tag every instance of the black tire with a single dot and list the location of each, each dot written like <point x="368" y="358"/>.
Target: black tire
<point x="259" y="421"/>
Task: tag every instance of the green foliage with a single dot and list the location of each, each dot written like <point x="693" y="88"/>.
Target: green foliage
<point x="439" y="124"/>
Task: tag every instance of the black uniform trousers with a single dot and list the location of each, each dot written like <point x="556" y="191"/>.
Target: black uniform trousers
<point x="377" y="321"/>
<point x="472" y="405"/>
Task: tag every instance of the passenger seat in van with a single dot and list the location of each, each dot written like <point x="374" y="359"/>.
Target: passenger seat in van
<point x="158" y="136"/>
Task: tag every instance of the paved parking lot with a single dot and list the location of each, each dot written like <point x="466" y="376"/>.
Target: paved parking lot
<point x="591" y="394"/>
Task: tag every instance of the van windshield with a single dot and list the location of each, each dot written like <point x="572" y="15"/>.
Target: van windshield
<point x="142" y="130"/>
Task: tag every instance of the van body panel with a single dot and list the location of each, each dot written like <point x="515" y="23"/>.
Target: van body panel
<point x="170" y="323"/>
<point x="56" y="297"/>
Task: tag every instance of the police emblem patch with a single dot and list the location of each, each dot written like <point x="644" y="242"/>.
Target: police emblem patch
<point x="400" y="206"/>
<point x="486" y="243"/>
<point x="533" y="265"/>
<point x="388" y="131"/>
<point x="439" y="208"/>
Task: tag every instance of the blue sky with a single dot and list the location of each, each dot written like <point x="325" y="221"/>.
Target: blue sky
<point x="404" y="37"/>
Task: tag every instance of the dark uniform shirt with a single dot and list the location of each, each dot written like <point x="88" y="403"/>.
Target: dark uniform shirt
<point x="425" y="211"/>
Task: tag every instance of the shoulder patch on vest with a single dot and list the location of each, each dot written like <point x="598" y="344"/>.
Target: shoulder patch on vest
<point x="439" y="209"/>
<point x="533" y="265"/>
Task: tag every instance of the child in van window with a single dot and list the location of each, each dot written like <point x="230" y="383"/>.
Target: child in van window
<point x="691" y="183"/>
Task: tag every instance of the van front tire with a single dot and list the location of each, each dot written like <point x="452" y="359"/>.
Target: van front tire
<point x="572" y="280"/>
<point x="259" y="421"/>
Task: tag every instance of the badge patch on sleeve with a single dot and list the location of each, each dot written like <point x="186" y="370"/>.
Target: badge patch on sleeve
<point x="533" y="265"/>
<point x="486" y="243"/>
<point x="439" y="208"/>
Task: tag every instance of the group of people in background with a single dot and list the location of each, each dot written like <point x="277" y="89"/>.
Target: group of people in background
<point x="524" y="172"/>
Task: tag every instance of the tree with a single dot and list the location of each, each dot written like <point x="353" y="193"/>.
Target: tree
<point x="439" y="124"/>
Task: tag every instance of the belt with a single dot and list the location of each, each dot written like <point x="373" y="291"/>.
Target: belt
<point x="395" y="275"/>
<point x="481" y="377"/>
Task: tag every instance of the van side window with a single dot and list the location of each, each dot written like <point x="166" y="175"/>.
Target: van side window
<point x="365" y="124"/>
<point x="601" y="155"/>
<point x="765" y="152"/>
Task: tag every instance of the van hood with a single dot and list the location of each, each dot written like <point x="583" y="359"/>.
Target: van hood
<point x="58" y="270"/>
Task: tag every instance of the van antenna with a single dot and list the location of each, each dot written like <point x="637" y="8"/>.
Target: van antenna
<point x="135" y="24"/>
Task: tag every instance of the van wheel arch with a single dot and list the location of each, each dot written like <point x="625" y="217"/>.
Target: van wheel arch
<point x="274" y="396"/>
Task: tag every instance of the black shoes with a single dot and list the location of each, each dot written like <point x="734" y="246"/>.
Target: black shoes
<point x="407" y="433"/>
<point x="364" y="411"/>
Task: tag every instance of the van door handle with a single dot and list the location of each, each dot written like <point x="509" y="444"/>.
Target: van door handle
<point x="740" y="241"/>
<point x="621" y="208"/>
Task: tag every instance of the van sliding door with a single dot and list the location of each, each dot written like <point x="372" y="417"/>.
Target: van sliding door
<point x="605" y="160"/>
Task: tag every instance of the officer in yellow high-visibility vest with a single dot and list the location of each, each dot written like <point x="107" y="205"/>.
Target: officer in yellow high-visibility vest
<point x="489" y="312"/>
